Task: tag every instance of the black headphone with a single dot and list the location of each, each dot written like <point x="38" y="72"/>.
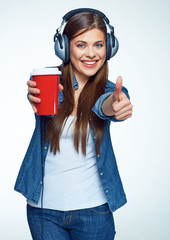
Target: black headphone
<point x="62" y="46"/>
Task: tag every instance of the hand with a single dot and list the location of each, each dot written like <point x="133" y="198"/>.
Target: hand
<point x="122" y="106"/>
<point x="33" y="91"/>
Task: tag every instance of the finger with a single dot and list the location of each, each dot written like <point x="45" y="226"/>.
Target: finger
<point x="31" y="83"/>
<point x="60" y="87"/>
<point x="125" y="109"/>
<point x="117" y="106"/>
<point x="34" y="99"/>
<point x="33" y="90"/>
<point x="34" y="107"/>
<point x="118" y="88"/>
<point x="124" y="116"/>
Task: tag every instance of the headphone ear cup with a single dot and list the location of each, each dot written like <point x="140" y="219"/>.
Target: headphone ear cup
<point x="61" y="47"/>
<point x="67" y="48"/>
<point x="110" y="50"/>
<point x="108" y="47"/>
<point x="115" y="48"/>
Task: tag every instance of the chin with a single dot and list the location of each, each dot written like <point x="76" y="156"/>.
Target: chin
<point x="90" y="73"/>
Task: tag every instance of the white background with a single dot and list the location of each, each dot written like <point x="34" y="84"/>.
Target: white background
<point x="140" y="143"/>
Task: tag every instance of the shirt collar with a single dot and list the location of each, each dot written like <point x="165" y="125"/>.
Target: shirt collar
<point x="76" y="85"/>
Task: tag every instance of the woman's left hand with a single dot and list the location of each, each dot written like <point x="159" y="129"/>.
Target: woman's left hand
<point x="122" y="107"/>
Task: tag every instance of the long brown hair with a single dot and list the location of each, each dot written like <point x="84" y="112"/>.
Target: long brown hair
<point x="93" y="89"/>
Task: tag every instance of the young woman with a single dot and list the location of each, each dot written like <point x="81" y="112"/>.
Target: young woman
<point x="72" y="151"/>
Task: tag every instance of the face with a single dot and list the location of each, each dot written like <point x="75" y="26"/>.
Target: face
<point x="88" y="53"/>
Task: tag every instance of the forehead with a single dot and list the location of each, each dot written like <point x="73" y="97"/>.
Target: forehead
<point x="90" y="35"/>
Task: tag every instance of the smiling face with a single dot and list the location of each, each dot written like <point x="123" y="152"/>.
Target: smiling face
<point x="87" y="53"/>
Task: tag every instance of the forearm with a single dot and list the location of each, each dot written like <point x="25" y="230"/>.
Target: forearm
<point x="107" y="106"/>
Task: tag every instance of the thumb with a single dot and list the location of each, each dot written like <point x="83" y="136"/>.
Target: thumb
<point x="118" y="89"/>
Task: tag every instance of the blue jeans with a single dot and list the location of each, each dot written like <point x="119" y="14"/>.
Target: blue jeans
<point x="86" y="224"/>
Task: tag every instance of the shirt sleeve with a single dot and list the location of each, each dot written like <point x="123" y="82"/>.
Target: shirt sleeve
<point x="97" y="109"/>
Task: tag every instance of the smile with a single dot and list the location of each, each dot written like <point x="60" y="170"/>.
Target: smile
<point x="90" y="63"/>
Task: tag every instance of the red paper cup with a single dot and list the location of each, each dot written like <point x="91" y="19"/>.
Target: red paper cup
<point x="47" y="80"/>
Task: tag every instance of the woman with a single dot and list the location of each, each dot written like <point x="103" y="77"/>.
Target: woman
<point x="81" y="183"/>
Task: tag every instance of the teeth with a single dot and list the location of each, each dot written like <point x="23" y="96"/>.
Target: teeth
<point x="90" y="63"/>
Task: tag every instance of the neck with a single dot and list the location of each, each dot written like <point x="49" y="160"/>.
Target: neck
<point x="82" y="80"/>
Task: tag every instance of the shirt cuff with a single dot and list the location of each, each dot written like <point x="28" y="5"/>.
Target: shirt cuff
<point x="97" y="109"/>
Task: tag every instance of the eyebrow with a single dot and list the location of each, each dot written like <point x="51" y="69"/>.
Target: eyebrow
<point x="86" y="42"/>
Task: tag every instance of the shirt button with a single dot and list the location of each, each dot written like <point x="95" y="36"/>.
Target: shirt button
<point x="41" y="182"/>
<point x="45" y="147"/>
<point x="101" y="174"/>
<point x="107" y="190"/>
<point x="98" y="155"/>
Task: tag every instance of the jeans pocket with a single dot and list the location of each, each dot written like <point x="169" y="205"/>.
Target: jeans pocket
<point x="101" y="210"/>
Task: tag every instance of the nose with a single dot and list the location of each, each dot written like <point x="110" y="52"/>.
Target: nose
<point x="90" y="52"/>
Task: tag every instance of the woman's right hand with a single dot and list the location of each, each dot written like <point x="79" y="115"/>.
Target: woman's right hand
<point x="33" y="91"/>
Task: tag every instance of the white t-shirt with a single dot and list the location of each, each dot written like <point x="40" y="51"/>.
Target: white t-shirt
<point x="71" y="180"/>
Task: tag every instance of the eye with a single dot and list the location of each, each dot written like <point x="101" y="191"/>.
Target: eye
<point x="81" y="45"/>
<point x="99" y="45"/>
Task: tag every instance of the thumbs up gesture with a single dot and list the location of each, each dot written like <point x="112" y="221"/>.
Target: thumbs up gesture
<point x="118" y="103"/>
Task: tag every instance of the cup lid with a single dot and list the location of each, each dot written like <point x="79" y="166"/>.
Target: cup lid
<point x="45" y="71"/>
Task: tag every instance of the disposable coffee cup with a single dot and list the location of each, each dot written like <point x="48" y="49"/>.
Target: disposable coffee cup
<point x="47" y="81"/>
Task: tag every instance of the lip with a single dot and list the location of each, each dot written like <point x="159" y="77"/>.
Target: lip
<point x="89" y="63"/>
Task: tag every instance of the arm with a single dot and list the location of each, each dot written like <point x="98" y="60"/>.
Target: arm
<point x="118" y="104"/>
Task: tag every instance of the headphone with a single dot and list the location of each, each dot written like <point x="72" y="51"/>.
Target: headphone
<point x="62" y="46"/>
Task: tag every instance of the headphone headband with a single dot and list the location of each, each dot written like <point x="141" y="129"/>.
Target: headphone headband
<point x="68" y="15"/>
